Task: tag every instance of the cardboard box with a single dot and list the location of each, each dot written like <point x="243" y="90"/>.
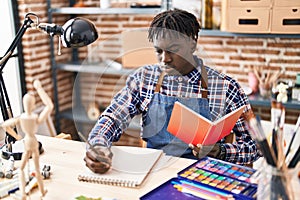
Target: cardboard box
<point x="137" y="50"/>
<point x="286" y="3"/>
<point x="285" y="20"/>
<point x="247" y="20"/>
<point x="249" y="3"/>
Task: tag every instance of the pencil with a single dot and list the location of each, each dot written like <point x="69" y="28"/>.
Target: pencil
<point x="99" y="158"/>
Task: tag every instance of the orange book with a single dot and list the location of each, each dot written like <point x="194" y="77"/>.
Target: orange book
<point x="191" y="127"/>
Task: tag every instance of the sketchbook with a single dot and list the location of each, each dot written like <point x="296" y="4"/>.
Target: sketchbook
<point x="130" y="167"/>
<point x="191" y="127"/>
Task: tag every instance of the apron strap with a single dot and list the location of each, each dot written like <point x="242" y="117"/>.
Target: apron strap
<point x="204" y="81"/>
<point x="159" y="82"/>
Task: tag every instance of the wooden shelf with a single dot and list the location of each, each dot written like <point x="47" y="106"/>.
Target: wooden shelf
<point x="78" y="115"/>
<point x="99" y="68"/>
<point x="98" y="11"/>
<point x="256" y="100"/>
<point x="212" y="32"/>
<point x="203" y="32"/>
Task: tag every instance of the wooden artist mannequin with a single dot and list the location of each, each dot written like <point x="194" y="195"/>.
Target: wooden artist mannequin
<point x="29" y="122"/>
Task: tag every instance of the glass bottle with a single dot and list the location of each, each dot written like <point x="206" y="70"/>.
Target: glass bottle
<point x="207" y="14"/>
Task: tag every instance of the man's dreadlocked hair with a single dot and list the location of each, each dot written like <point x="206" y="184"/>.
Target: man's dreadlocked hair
<point x="176" y="20"/>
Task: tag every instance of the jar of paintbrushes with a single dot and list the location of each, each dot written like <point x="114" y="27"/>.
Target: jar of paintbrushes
<point x="277" y="183"/>
<point x="266" y="80"/>
<point x="279" y="172"/>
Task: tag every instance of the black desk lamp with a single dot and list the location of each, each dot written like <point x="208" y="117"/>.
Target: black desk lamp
<point x="77" y="32"/>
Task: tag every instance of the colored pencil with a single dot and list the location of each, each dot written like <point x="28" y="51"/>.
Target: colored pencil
<point x="214" y="191"/>
<point x="199" y="193"/>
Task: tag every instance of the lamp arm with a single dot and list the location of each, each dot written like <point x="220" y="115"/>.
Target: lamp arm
<point x="4" y="99"/>
<point x="28" y="22"/>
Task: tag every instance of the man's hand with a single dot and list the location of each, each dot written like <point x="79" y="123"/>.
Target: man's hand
<point x="201" y="151"/>
<point x="98" y="159"/>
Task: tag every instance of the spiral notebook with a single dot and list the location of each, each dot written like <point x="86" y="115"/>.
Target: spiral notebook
<point x="130" y="167"/>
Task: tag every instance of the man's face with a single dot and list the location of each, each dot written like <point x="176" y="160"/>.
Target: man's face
<point x="175" y="54"/>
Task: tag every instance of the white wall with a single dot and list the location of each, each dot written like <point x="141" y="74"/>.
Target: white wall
<point x="11" y="70"/>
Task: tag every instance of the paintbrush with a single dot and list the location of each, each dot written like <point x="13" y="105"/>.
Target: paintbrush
<point x="257" y="133"/>
<point x="293" y="137"/>
<point x="295" y="159"/>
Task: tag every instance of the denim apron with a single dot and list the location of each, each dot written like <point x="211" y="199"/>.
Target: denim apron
<point x="159" y="112"/>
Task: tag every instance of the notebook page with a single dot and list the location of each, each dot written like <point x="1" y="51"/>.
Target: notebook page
<point x="130" y="166"/>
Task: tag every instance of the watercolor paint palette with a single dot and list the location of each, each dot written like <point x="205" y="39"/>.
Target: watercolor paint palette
<point x="226" y="169"/>
<point x="236" y="179"/>
<point x="209" y="175"/>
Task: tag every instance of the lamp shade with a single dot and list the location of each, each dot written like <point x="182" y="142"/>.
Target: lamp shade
<point x="78" y="32"/>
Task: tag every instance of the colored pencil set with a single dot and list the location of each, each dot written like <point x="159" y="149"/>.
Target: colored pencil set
<point x="273" y="151"/>
<point x="199" y="191"/>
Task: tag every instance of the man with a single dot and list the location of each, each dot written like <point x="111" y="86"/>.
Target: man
<point x="153" y="89"/>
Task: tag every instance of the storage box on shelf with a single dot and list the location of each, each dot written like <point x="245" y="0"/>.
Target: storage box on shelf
<point x="286" y="19"/>
<point x="251" y="20"/>
<point x="286" y="3"/>
<point x="261" y="16"/>
<point x="248" y="3"/>
<point x="252" y="16"/>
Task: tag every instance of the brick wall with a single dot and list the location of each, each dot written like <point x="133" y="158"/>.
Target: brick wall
<point x="236" y="56"/>
<point x="232" y="55"/>
<point x="36" y="50"/>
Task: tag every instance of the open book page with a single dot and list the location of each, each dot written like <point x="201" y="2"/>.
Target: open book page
<point x="191" y="127"/>
<point x="130" y="167"/>
<point x="223" y="126"/>
<point x="184" y="124"/>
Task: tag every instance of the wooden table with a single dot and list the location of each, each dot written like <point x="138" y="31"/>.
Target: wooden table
<point x="66" y="160"/>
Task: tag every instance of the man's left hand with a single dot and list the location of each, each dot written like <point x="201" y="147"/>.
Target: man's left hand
<point x="201" y="151"/>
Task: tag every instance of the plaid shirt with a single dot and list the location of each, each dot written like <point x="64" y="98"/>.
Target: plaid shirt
<point x="224" y="95"/>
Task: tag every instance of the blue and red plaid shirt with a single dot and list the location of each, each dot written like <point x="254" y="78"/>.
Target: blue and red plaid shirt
<point x="224" y="96"/>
